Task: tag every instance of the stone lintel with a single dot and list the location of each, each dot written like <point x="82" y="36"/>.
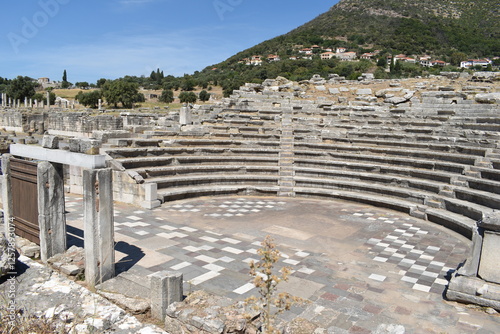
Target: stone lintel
<point x="58" y="156"/>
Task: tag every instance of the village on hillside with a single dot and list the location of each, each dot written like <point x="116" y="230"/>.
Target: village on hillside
<point x="342" y="53"/>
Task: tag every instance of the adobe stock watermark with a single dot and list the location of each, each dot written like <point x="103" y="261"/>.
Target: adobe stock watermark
<point x="31" y="27"/>
<point x="224" y="6"/>
<point x="11" y="281"/>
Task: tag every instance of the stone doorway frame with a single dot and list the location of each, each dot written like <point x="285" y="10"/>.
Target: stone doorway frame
<point x="98" y="206"/>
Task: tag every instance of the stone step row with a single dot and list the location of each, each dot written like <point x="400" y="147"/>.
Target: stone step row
<point x="304" y="149"/>
<point x="480" y="149"/>
<point x="197" y="191"/>
<point x="454" y="221"/>
<point x="176" y="170"/>
<point x="148" y="162"/>
<point x="180" y="181"/>
<point x="190" y="150"/>
<point x="483" y="193"/>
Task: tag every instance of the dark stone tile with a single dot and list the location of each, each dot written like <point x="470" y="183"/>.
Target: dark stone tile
<point x="402" y="310"/>
<point x="376" y="290"/>
<point x="329" y="296"/>
<point x="372" y="309"/>
<point x="355" y="297"/>
<point x="359" y="330"/>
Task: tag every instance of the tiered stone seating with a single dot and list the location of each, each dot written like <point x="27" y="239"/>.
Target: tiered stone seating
<point x="240" y="155"/>
<point x="436" y="161"/>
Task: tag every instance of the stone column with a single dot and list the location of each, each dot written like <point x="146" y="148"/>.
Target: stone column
<point x="98" y="225"/>
<point x="100" y="104"/>
<point x="166" y="288"/>
<point x="48" y="99"/>
<point x="6" y="193"/>
<point x="25" y="102"/>
<point x="51" y="210"/>
<point x="185" y="116"/>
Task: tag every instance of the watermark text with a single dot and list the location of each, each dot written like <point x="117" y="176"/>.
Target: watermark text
<point x="32" y="25"/>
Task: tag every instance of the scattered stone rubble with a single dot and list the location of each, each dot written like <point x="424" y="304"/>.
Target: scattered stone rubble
<point x="205" y="313"/>
<point x="390" y="92"/>
<point x="44" y="293"/>
<point x="70" y="263"/>
<point x="27" y="248"/>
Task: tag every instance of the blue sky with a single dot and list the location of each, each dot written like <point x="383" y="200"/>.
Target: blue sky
<point x="95" y="39"/>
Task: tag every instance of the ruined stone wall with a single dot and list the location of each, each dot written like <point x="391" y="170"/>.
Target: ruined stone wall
<point x="11" y="120"/>
<point x="81" y="123"/>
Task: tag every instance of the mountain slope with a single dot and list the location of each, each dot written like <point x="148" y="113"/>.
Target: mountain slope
<point x="436" y="27"/>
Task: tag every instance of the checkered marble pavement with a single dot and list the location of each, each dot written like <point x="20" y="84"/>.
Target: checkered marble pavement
<point x="403" y="247"/>
<point x="238" y="207"/>
<point x="204" y="255"/>
<point x="395" y="272"/>
<point x="205" y="258"/>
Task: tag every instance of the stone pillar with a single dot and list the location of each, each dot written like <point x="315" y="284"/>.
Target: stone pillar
<point x="98" y="225"/>
<point x="10" y="102"/>
<point x="6" y="193"/>
<point x="25" y="102"/>
<point x="31" y="103"/>
<point x="478" y="281"/>
<point x="151" y="200"/>
<point x="51" y="210"/>
<point x="100" y="104"/>
<point x="48" y="99"/>
<point x="185" y="116"/>
<point x="166" y="288"/>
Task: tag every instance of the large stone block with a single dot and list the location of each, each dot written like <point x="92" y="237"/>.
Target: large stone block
<point x="489" y="268"/>
<point x="90" y="146"/>
<point x="51" y="142"/>
<point x="166" y="289"/>
<point x="364" y="91"/>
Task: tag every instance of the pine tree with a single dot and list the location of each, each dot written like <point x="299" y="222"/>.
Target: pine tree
<point x="65" y="84"/>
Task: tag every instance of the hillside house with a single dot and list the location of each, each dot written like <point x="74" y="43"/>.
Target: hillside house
<point x="327" y="55"/>
<point x="272" y="58"/>
<point x="475" y="62"/>
<point x="341" y="50"/>
<point x="347" y="56"/>
<point x="400" y="57"/>
<point x="367" y="56"/>
<point x="256" y="60"/>
<point x="306" y="51"/>
<point x="46" y="83"/>
<point x="438" y="63"/>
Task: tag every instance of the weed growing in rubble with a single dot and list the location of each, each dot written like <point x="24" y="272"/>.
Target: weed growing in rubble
<point x="270" y="303"/>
